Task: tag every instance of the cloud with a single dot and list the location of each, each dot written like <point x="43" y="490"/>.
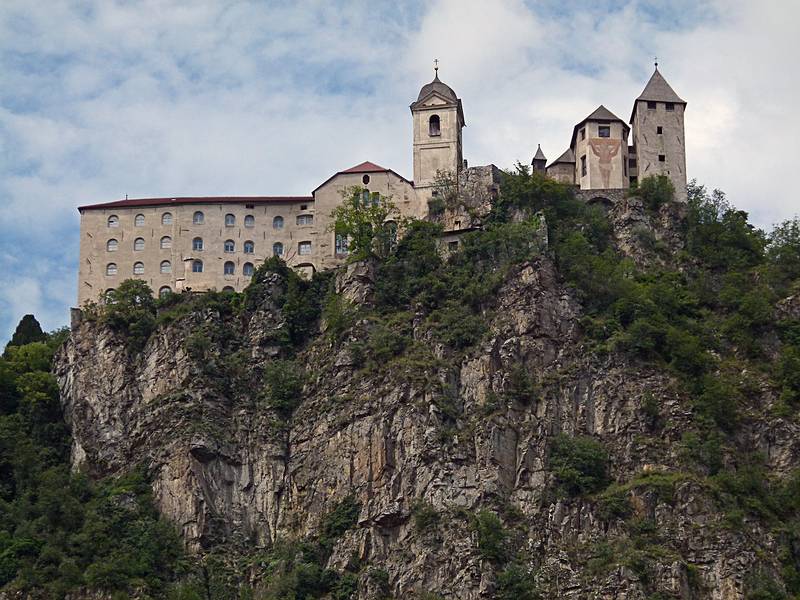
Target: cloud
<point x="100" y="99"/>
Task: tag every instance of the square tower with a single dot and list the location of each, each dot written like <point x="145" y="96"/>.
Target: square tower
<point x="658" y="133"/>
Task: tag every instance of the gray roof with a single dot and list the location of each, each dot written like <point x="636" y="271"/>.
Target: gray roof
<point x="539" y="154"/>
<point x="602" y="114"/>
<point x="567" y="157"/>
<point x="658" y="90"/>
<point x="439" y="87"/>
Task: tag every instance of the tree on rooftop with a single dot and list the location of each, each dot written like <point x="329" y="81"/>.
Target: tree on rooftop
<point x="367" y="223"/>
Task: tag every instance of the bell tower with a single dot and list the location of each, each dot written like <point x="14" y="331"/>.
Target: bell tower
<point x="437" y="120"/>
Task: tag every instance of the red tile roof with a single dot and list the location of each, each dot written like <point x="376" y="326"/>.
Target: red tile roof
<point x="131" y="202"/>
<point x="365" y="167"/>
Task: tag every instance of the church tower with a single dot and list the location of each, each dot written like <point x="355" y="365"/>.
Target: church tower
<point x="659" y="143"/>
<point x="437" y="119"/>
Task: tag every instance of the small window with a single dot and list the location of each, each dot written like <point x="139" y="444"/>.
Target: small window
<point x="229" y="268"/>
<point x="249" y="221"/>
<point x="247" y="269"/>
<point x="341" y="244"/>
<point x="631" y="162"/>
<point x="230" y="246"/>
<point x="305" y="219"/>
<point x="138" y="268"/>
<point x="376" y="198"/>
<point x="251" y="206"/>
<point x="277" y="249"/>
<point x="164" y="291"/>
<point x="277" y="223"/>
<point x="662" y="158"/>
<point x="197" y="266"/>
<point x="166" y="266"/>
<point x="111" y="269"/>
<point x="659" y="130"/>
<point x="651" y="105"/>
<point x="138" y="244"/>
<point x="166" y="219"/>
<point x="249" y="247"/>
<point x="583" y="133"/>
<point x="604" y="131"/>
<point x="452" y="246"/>
<point x="138" y="220"/>
<point x="434" y="125"/>
<point x="670" y="106"/>
<point x="198" y="218"/>
<point x="197" y="243"/>
<point x="304" y="207"/>
<point x="112" y="245"/>
<point x="230" y="220"/>
<point x="365" y="179"/>
<point x="166" y="242"/>
<point x="304" y="248"/>
<point x="113" y="221"/>
<point x="583" y="166"/>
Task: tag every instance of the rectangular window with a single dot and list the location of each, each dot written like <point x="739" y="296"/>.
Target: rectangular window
<point x="670" y="106"/>
<point x="452" y="246"/>
<point x="662" y="158"/>
<point x="631" y="162"/>
<point x="651" y="105"/>
<point x="583" y="166"/>
<point x="341" y="244"/>
<point x="304" y="207"/>
<point x="604" y="130"/>
<point x="659" y="130"/>
<point x="305" y="219"/>
<point x="304" y="248"/>
<point x="583" y="133"/>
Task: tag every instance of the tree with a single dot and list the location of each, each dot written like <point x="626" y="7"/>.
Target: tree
<point x="28" y="330"/>
<point x="655" y="191"/>
<point x="367" y="221"/>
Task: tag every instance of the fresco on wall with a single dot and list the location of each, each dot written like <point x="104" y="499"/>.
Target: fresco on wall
<point x="606" y="150"/>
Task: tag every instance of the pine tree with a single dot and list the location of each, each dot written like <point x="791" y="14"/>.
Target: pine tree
<point x="28" y="330"/>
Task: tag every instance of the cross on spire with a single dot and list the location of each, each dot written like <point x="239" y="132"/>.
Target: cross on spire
<point x="656" y="61"/>
<point x="436" y="66"/>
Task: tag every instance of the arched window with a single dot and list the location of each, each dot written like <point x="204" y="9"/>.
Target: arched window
<point x="197" y="243"/>
<point x="247" y="269"/>
<point x="277" y="249"/>
<point x="164" y="291"/>
<point x="230" y="220"/>
<point x="341" y="244"/>
<point x="112" y="245"/>
<point x="197" y="266"/>
<point x="277" y="222"/>
<point x="138" y="268"/>
<point x="434" y="125"/>
<point x="305" y="219"/>
<point x="304" y="248"/>
<point x="249" y="247"/>
<point x="229" y="268"/>
<point x="229" y="246"/>
<point x="111" y="269"/>
<point x="166" y="219"/>
<point x="113" y="221"/>
<point x="249" y="221"/>
<point x="166" y="266"/>
<point x="198" y="218"/>
<point x="138" y="244"/>
<point x="228" y="288"/>
<point x="138" y="220"/>
<point x="166" y="242"/>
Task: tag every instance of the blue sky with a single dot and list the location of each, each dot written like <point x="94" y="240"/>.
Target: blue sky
<point x="99" y="99"/>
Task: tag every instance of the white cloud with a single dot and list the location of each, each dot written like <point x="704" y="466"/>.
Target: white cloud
<point x="149" y="98"/>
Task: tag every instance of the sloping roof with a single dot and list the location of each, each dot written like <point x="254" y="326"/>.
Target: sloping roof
<point x="132" y="202"/>
<point x="657" y="90"/>
<point x="601" y="113"/>
<point x="539" y="154"/>
<point x="439" y="87"/>
<point x="365" y="167"/>
<point x="567" y="157"/>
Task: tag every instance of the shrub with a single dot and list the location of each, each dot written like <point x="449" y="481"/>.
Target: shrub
<point x="131" y="310"/>
<point x="344" y="516"/>
<point x="655" y="191"/>
<point x="426" y="517"/>
<point x="580" y="465"/>
<point x="492" y="537"/>
<point x="515" y="582"/>
<point x="283" y="386"/>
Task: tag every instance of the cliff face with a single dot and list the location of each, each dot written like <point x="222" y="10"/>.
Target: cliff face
<point x="458" y="434"/>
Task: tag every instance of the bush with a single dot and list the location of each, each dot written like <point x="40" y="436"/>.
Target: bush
<point x="515" y="582"/>
<point x="655" y="191"/>
<point x="284" y="382"/>
<point x="426" y="518"/>
<point x="492" y="537"/>
<point x="344" y="516"/>
<point x="579" y="464"/>
<point x="131" y="310"/>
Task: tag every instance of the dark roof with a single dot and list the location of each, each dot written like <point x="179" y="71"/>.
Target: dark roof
<point x="365" y="167"/>
<point x="132" y="202"/>
<point x="567" y="157"/>
<point x="539" y="154"/>
<point x="438" y="87"/>
<point x="657" y="90"/>
<point x="601" y="113"/>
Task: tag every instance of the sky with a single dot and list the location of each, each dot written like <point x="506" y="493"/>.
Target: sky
<point x="99" y="99"/>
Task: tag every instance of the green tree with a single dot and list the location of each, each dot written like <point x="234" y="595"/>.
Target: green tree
<point x="580" y="464"/>
<point x="28" y="330"/>
<point x="655" y="191"/>
<point x="368" y="220"/>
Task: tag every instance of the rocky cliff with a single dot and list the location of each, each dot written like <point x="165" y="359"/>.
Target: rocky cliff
<point x="443" y="449"/>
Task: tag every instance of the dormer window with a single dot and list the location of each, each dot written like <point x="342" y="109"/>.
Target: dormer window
<point x="434" y="126"/>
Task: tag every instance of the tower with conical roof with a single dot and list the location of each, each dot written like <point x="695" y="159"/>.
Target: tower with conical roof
<point x="658" y="134"/>
<point x="437" y="120"/>
<point x="539" y="161"/>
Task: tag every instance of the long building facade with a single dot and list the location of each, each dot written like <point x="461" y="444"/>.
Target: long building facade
<point x="205" y="243"/>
